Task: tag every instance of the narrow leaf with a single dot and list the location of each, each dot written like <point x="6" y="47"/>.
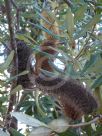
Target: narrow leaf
<point x="69" y="22"/>
<point x="23" y="73"/>
<point x="15" y="133"/>
<point x="97" y="82"/>
<point x="8" y="61"/>
<point x="22" y="37"/>
<point x="16" y="89"/>
<point x="79" y="14"/>
<point x="23" y="118"/>
<point x="88" y="26"/>
<point x="14" y="77"/>
<point x="94" y="64"/>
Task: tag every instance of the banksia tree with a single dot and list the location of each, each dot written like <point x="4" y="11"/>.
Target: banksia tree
<point x="52" y="69"/>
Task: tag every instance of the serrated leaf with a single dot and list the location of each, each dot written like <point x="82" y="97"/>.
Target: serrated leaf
<point x="58" y="125"/>
<point x="79" y="14"/>
<point x="28" y="120"/>
<point x="8" y="61"/>
<point x="41" y="131"/>
<point x="69" y="22"/>
<point x="97" y="82"/>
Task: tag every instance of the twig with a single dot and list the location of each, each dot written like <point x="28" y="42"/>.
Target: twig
<point x="86" y="123"/>
<point x="15" y="62"/>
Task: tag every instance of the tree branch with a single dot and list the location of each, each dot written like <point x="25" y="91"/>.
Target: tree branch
<point x="17" y="13"/>
<point x="14" y="63"/>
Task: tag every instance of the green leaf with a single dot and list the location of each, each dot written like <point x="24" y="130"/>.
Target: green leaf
<point x="8" y="61"/>
<point x="15" y="133"/>
<point x="22" y="37"/>
<point x="94" y="65"/>
<point x="100" y="36"/>
<point x="24" y="118"/>
<point x="39" y="109"/>
<point x="28" y="15"/>
<point x="70" y="72"/>
<point x="89" y="63"/>
<point x="88" y="26"/>
<point x="46" y="30"/>
<point x="97" y="66"/>
<point x="79" y="14"/>
<point x="20" y="74"/>
<point x="97" y="82"/>
<point x="12" y="78"/>
<point x="23" y="73"/>
<point x="16" y="89"/>
<point x="69" y="22"/>
<point x="93" y="21"/>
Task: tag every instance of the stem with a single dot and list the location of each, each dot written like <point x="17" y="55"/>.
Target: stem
<point x="85" y="45"/>
<point x="86" y="123"/>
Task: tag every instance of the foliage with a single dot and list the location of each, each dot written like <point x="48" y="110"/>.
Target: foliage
<point x="80" y="27"/>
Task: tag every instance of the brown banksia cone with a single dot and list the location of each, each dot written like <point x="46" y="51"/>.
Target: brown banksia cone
<point x="75" y="99"/>
<point x="24" y="53"/>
